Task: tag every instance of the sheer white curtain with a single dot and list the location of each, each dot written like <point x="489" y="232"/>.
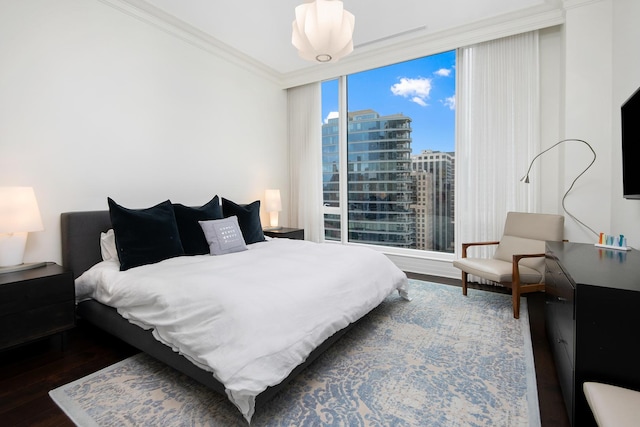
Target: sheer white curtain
<point x="497" y="135"/>
<point x="305" y="159"/>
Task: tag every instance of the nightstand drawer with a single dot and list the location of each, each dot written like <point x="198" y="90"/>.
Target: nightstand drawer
<point x="24" y="295"/>
<point x="35" y="303"/>
<point x="35" y="323"/>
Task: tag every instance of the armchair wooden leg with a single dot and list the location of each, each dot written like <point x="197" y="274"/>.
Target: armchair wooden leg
<point x="464" y="283"/>
<point x="515" y="293"/>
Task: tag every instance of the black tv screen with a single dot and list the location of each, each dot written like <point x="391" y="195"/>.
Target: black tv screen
<point x="630" y="112"/>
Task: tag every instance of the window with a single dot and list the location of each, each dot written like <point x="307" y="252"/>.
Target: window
<point x="397" y="142"/>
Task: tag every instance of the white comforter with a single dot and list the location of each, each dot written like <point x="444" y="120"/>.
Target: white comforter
<point x="249" y="317"/>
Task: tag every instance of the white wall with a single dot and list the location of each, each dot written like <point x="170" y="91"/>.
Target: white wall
<point x="596" y="59"/>
<point x="95" y="103"/>
<point x="625" y="214"/>
<point x="551" y="107"/>
<point x="587" y="115"/>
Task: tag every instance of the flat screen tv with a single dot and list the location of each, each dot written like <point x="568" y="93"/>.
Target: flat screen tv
<point x="630" y="113"/>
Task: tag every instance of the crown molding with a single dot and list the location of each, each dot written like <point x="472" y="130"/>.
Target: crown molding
<point x="379" y="55"/>
<point x="571" y="4"/>
<point x="372" y="55"/>
<point x="151" y="15"/>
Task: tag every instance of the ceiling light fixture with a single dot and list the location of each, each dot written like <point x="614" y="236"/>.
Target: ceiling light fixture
<point x="323" y="31"/>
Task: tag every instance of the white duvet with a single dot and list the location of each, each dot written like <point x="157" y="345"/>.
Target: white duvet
<point x="249" y="317"/>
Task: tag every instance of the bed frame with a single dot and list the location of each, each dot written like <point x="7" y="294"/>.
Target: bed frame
<point x="81" y="250"/>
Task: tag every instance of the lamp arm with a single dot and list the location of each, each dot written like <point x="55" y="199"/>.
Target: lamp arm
<point x="573" y="183"/>
<point x="526" y="177"/>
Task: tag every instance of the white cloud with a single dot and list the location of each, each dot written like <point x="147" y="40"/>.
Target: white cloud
<point x="416" y="89"/>
<point x="419" y="101"/>
<point x="450" y="102"/>
<point x="443" y="72"/>
<point x="331" y="115"/>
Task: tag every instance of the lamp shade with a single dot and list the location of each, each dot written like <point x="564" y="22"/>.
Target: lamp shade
<point x="19" y="215"/>
<point x="323" y="31"/>
<point x="19" y="210"/>
<point x="272" y="201"/>
<point x="273" y="205"/>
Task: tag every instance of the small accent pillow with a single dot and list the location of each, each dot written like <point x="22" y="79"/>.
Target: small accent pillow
<point x="145" y="236"/>
<point x="248" y="219"/>
<point x="191" y="235"/>
<point x="223" y="235"/>
<point x="108" y="246"/>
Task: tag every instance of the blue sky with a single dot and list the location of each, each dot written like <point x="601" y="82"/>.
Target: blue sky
<point x="423" y="89"/>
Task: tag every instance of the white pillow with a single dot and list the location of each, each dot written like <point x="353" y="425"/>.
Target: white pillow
<point x="223" y="235"/>
<point x="108" y="246"/>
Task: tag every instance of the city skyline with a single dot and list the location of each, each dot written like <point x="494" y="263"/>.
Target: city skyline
<point x="423" y="89"/>
<point x="395" y="198"/>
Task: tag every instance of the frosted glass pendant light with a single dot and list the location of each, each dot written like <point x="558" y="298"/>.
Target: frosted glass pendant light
<point x="323" y="31"/>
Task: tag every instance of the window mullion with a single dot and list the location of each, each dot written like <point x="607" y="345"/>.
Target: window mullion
<point x="343" y="126"/>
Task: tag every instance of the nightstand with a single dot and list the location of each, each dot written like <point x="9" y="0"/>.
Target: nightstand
<point x="35" y="304"/>
<point x="287" y="233"/>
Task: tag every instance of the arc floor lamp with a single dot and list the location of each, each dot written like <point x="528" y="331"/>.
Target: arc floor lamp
<point x="525" y="178"/>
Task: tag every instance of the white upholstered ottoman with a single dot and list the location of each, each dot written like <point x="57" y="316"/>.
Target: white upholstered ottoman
<point x="613" y="406"/>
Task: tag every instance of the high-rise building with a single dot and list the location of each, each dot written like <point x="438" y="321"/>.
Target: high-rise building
<point x="379" y="179"/>
<point x="433" y="175"/>
<point x="423" y="208"/>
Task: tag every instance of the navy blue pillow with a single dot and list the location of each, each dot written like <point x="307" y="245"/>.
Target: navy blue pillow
<point x="193" y="239"/>
<point x="145" y="236"/>
<point x="248" y="219"/>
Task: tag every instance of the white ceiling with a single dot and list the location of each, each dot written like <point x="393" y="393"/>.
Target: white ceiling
<point x="262" y="29"/>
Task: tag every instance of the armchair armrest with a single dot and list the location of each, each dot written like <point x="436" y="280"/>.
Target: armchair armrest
<point x="465" y="246"/>
<point x="516" y="259"/>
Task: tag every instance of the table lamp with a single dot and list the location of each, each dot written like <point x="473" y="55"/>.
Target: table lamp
<point x="19" y="215"/>
<point x="273" y="205"/>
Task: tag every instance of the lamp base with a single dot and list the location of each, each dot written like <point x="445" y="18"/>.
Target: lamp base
<point x="22" y="267"/>
<point x="12" y="248"/>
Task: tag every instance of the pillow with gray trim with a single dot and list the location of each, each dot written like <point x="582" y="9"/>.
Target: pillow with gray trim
<point x="223" y="235"/>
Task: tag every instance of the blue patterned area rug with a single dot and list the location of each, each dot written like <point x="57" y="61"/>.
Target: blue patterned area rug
<point x="439" y="360"/>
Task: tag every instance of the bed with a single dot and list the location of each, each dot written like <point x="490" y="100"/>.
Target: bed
<point x="258" y="289"/>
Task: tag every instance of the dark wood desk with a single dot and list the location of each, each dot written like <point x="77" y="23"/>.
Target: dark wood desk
<point x="593" y="320"/>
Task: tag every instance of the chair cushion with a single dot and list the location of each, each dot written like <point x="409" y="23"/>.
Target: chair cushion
<point x="613" y="406"/>
<point x="512" y="245"/>
<point x="496" y="270"/>
<point x="534" y="226"/>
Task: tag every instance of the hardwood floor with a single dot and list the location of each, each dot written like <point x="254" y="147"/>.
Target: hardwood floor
<point x="27" y="373"/>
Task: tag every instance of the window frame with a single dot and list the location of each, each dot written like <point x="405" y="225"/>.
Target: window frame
<point x="343" y="211"/>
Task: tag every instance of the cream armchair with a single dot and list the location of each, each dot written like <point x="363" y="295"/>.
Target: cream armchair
<point x="518" y="262"/>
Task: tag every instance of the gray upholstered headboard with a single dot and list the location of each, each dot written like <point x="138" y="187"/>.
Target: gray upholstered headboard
<point x="81" y="239"/>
